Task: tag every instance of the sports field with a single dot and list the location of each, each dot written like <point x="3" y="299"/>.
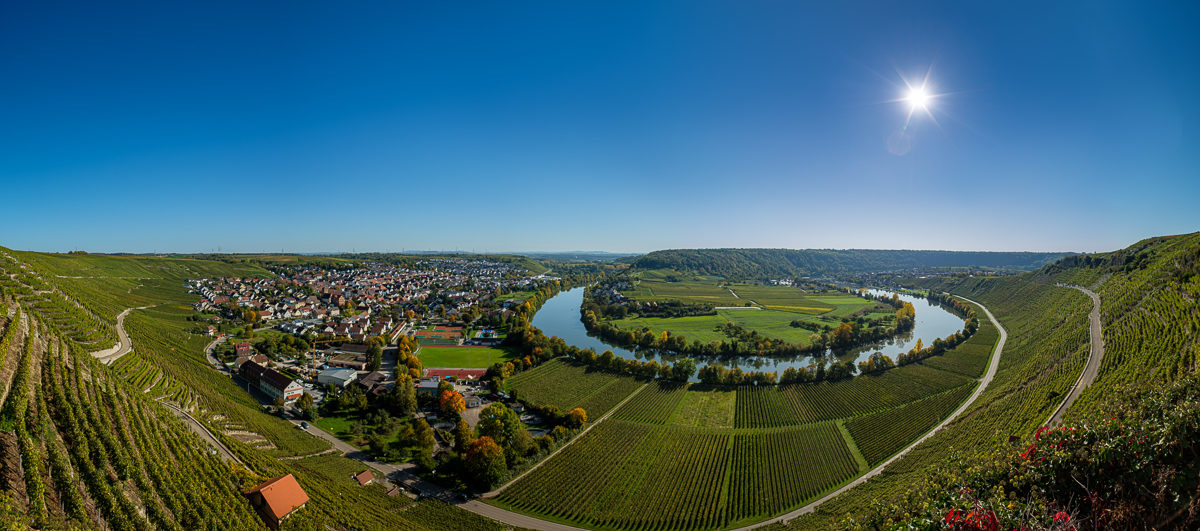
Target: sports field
<point x="463" y="357"/>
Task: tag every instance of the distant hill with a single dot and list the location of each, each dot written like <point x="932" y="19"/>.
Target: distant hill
<point x="776" y="263"/>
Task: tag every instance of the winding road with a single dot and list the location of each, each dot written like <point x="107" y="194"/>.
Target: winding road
<point x="983" y="383"/>
<point x="123" y="346"/>
<point x="1095" y="356"/>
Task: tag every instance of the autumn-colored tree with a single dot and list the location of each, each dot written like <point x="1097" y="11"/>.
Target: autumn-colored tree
<point x="410" y="315"/>
<point x="842" y="334"/>
<point x="576" y="417"/>
<point x="452" y="403"/>
<point x="485" y="462"/>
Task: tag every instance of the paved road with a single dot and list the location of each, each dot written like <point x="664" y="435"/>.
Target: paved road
<point x="212" y="360"/>
<point x="123" y="343"/>
<point x="983" y="383"/>
<point x="1095" y="356"/>
<point x="202" y="432"/>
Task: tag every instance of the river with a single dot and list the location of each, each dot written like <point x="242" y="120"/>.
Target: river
<point x="559" y="316"/>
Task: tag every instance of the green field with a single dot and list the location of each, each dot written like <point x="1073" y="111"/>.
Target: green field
<point x="773" y="308"/>
<point x="463" y="357"/>
<point x="773" y="324"/>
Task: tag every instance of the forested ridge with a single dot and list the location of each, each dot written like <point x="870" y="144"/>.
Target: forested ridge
<point x="785" y="263"/>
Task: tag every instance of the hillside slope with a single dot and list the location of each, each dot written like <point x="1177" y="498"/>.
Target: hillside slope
<point x="782" y="263"/>
<point x="85" y="445"/>
<point x="1150" y="323"/>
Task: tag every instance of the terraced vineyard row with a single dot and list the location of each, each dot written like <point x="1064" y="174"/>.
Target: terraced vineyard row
<point x="882" y="434"/>
<point x="567" y="386"/>
<point x="654" y="404"/>
<point x="627" y="475"/>
<point x="804" y="403"/>
<point x="777" y="471"/>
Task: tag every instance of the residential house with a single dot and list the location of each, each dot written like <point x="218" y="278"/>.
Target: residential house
<point x="277" y="499"/>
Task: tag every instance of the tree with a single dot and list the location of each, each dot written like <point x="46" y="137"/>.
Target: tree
<point x="576" y="417"/>
<point x="485" y="462"/>
<point x="279" y="403"/>
<point x="374" y="356"/>
<point x="423" y="434"/>
<point x="306" y="401"/>
<point x="499" y="423"/>
<point x="462" y="435"/>
<point x="452" y="403"/>
<point x="306" y="406"/>
<point x="683" y="369"/>
<point x="403" y="396"/>
<point x="522" y="444"/>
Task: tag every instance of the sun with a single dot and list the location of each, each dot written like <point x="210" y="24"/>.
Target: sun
<point x="918" y="98"/>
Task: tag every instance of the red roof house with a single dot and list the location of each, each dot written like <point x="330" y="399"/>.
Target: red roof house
<point x="276" y="499"/>
<point x="364" y="477"/>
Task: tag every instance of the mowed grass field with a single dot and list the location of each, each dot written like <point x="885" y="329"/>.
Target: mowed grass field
<point x="773" y="324"/>
<point x="463" y="357"/>
<point x="775" y="307"/>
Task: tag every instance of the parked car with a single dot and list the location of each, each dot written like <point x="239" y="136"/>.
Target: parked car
<point x="303" y="425"/>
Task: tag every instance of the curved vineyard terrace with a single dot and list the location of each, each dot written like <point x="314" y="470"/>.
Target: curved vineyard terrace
<point x="559" y="316"/>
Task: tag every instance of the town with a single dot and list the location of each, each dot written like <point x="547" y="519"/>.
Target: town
<point x="377" y="355"/>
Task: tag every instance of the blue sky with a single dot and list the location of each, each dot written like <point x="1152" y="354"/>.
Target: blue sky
<point x="317" y="126"/>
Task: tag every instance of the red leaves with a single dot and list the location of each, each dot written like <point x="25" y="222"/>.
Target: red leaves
<point x="977" y="520"/>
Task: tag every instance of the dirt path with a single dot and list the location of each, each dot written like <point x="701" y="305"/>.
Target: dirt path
<point x="124" y="345"/>
<point x="993" y="363"/>
<point x="203" y="433"/>
<point x="1095" y="356"/>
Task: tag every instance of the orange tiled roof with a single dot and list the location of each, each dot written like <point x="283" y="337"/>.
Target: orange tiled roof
<point x="282" y="495"/>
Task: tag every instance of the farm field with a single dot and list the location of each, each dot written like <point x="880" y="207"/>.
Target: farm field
<point x="773" y="324"/>
<point x="463" y="357"/>
<point x="769" y="310"/>
<point x="692" y="291"/>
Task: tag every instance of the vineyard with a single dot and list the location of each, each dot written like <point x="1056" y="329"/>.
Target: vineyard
<point x="566" y="386"/>
<point x="84" y="445"/>
<point x="1047" y="343"/>
<point x="879" y="435"/>
<point x="678" y="456"/>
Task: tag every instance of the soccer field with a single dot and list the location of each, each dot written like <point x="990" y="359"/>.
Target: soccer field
<point x="463" y="357"/>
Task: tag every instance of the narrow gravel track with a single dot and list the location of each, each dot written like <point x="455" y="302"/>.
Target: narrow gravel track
<point x="983" y="383"/>
<point x="203" y="432"/>
<point x="1095" y="356"/>
<point x="124" y="345"/>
